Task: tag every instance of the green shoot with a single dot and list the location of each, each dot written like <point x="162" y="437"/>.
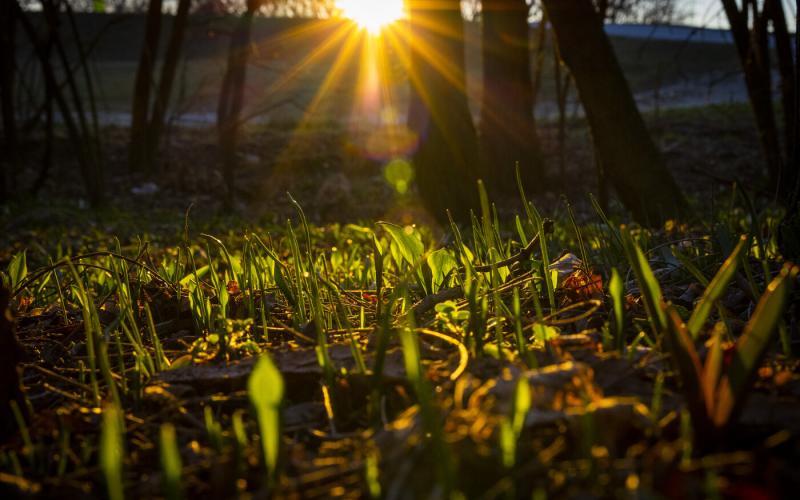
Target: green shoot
<point x="265" y="389"/>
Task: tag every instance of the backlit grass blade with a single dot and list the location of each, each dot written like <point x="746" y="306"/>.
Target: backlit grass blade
<point x="265" y="389"/>
<point x="648" y="285"/>
<point x="617" y="290"/>
<point x="170" y="463"/>
<point x="111" y="451"/>
<point x="753" y="344"/>
<point x="715" y="289"/>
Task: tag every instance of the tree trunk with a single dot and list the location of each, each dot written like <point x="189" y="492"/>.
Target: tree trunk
<point x="9" y="164"/>
<point x="446" y="161"/>
<point x="753" y="49"/>
<point x="137" y="152"/>
<point x="507" y="131"/>
<point x="785" y="59"/>
<point x="231" y="98"/>
<point x="168" y="69"/>
<point x="627" y="152"/>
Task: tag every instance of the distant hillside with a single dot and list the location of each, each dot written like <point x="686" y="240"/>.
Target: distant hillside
<point x="665" y="32"/>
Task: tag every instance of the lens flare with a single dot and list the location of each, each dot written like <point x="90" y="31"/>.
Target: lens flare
<point x="372" y="15"/>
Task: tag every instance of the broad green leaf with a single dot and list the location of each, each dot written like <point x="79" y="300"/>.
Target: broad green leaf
<point x="265" y="389"/>
<point x="543" y="333"/>
<point x="752" y="345"/>
<point x="408" y="243"/>
<point x="17" y="269"/>
<point x="441" y="264"/>
<point x="715" y="289"/>
<point x="188" y="281"/>
<point x="111" y="452"/>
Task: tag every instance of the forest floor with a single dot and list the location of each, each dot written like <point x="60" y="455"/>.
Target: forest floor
<point x="238" y="355"/>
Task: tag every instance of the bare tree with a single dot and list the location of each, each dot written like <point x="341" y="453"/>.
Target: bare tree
<point x="623" y="144"/>
<point x="446" y="160"/>
<point x="231" y="97"/>
<point x="137" y="152"/>
<point x="168" y="69"/>
<point x="750" y="24"/>
<point x="10" y="161"/>
<point x="507" y="130"/>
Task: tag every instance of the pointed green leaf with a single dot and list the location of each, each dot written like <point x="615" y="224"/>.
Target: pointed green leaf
<point x="752" y="345"/>
<point x="17" y="269"/>
<point x="715" y="289"/>
<point x="684" y="354"/>
<point x="265" y="389"/>
<point x="442" y="264"/>
<point x="617" y="291"/>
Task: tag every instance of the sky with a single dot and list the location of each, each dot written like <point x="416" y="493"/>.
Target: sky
<point x="709" y="13"/>
<point x="705" y="13"/>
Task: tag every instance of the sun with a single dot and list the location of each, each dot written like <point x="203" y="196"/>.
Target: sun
<point x="372" y="15"/>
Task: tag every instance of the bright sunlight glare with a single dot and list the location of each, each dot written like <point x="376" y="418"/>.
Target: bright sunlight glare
<point x="372" y="15"/>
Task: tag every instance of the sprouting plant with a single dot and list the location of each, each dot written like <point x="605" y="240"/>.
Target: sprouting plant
<point x="617" y="291"/>
<point x="717" y="388"/>
<point x="112" y="451"/>
<point x="449" y="316"/>
<point x="429" y="414"/>
<point x="265" y="389"/>
<point x="511" y="426"/>
<point x="170" y="463"/>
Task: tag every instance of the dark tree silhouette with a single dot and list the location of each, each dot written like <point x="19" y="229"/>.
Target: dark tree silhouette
<point x="9" y="162"/>
<point x="624" y="146"/>
<point x="750" y="26"/>
<point x="507" y="130"/>
<point x="141" y="91"/>
<point x="231" y="97"/>
<point x="446" y="161"/>
<point x="168" y="70"/>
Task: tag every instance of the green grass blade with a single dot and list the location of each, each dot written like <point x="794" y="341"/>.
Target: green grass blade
<point x="111" y="451"/>
<point x="170" y="463"/>
<point x="648" y="285"/>
<point x="715" y="289"/>
<point x="617" y="291"/>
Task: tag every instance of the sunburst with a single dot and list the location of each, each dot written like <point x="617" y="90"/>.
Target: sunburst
<point x="372" y="15"/>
